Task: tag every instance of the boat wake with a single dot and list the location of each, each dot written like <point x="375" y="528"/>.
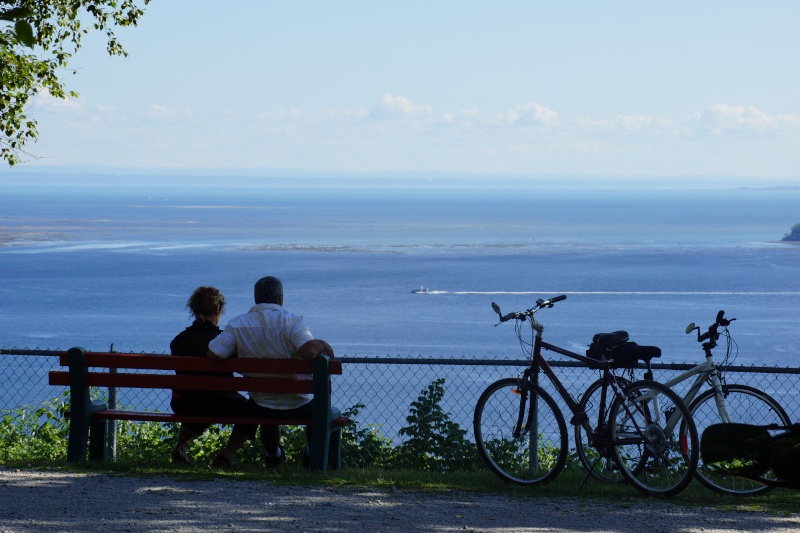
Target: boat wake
<point x="425" y="290"/>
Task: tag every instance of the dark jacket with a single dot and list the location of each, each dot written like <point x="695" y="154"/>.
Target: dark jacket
<point x="193" y="342"/>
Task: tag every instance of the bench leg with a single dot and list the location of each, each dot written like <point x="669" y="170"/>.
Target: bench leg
<point x="330" y="456"/>
<point x="335" y="450"/>
<point x="79" y="432"/>
<point x="78" y="437"/>
<point x="319" y="450"/>
<point x="98" y="433"/>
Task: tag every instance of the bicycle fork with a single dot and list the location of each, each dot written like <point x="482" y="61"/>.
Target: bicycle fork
<point x="532" y="424"/>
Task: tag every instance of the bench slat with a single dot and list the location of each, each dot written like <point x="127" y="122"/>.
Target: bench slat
<point x="167" y="381"/>
<point x="148" y="416"/>
<point x="200" y="364"/>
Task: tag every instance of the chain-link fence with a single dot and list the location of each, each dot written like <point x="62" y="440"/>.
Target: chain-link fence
<point x="387" y="387"/>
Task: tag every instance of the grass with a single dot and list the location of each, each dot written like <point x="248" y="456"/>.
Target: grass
<point x="29" y="443"/>
<point x="781" y="502"/>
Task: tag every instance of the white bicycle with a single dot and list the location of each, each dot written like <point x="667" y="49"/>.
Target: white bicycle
<point x="721" y="402"/>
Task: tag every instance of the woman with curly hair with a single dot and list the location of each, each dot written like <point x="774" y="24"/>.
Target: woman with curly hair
<point x="206" y="305"/>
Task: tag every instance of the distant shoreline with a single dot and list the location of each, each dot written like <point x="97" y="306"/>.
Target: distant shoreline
<point x="76" y="177"/>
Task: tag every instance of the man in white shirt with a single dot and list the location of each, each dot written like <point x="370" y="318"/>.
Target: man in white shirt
<point x="269" y="331"/>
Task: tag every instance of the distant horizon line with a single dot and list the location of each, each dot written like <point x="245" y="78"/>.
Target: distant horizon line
<point x="81" y="177"/>
<point x="267" y="172"/>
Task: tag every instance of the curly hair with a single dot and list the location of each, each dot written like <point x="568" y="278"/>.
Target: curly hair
<point x="205" y="301"/>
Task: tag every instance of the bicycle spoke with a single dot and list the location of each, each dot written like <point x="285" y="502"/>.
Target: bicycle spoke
<point x="745" y="405"/>
<point x="536" y="456"/>
<point x="655" y="441"/>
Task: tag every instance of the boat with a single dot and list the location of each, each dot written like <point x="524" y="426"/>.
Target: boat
<point x="421" y="290"/>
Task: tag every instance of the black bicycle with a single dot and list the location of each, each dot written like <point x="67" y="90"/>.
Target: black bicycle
<point x="647" y="431"/>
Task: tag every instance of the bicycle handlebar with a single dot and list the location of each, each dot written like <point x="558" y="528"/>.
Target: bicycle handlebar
<point x="522" y="315"/>
<point x="711" y="334"/>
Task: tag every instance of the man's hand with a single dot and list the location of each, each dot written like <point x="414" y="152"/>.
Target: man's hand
<point x="313" y="348"/>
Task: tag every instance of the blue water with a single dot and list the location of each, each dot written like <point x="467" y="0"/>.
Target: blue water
<point x="93" y="266"/>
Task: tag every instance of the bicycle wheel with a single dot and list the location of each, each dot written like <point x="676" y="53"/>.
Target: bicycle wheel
<point x="746" y="405"/>
<point x="655" y="439"/>
<point x="537" y="456"/>
<point x="598" y="461"/>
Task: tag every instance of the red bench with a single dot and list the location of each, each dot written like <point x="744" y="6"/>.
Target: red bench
<point x="87" y="431"/>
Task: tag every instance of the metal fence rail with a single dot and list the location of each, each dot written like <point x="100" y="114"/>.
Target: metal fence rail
<point x="386" y="386"/>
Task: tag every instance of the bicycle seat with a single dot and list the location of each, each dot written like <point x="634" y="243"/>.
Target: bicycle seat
<point x="606" y="340"/>
<point x="631" y="351"/>
<point x="628" y="354"/>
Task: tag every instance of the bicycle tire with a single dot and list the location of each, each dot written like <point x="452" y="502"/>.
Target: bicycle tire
<point x="598" y="463"/>
<point x="744" y="404"/>
<point x="655" y="439"/>
<point x="520" y="460"/>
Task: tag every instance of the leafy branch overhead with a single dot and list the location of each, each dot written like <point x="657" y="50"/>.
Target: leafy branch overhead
<point x="22" y="32"/>
<point x="37" y="40"/>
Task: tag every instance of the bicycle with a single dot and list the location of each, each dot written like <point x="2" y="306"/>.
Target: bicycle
<point x="720" y="403"/>
<point x="647" y="431"/>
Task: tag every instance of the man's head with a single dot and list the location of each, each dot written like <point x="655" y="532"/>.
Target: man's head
<point x="268" y="290"/>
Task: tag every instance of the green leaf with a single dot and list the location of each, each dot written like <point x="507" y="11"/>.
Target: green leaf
<point x="24" y="33"/>
<point x="16" y="13"/>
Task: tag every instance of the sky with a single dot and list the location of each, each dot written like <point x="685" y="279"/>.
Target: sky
<point x="629" y="88"/>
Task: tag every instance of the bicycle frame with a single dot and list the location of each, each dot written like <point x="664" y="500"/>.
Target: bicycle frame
<point x="705" y="372"/>
<point x="539" y="363"/>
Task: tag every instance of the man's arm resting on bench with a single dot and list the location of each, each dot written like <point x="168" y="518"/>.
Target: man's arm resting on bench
<point x="309" y="350"/>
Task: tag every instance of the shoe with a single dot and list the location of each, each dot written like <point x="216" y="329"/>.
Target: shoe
<point x="179" y="457"/>
<point x="275" y="462"/>
<point x="221" y="461"/>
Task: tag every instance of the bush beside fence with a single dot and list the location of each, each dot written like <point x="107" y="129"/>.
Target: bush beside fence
<point x="394" y="401"/>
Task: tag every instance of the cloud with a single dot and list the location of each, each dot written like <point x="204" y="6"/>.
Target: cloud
<point x="280" y="116"/>
<point x="722" y="118"/>
<point x="395" y="133"/>
<point x="641" y="122"/>
<point x="47" y="101"/>
<point x="170" y="113"/>
<point x="347" y="114"/>
<point x="530" y="114"/>
<point x="397" y="107"/>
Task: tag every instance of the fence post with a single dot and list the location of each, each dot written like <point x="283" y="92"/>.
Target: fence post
<point x="534" y="422"/>
<point x="111" y="441"/>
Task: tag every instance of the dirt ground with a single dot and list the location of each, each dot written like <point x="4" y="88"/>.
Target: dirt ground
<point x="59" y="501"/>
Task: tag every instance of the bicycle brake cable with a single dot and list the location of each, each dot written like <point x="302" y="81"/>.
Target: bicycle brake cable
<point x="732" y="348"/>
<point x="526" y="347"/>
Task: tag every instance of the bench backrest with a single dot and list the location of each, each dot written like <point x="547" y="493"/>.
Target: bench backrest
<point x="96" y="368"/>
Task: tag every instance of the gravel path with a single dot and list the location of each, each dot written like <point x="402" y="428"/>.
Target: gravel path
<point x="58" y="501"/>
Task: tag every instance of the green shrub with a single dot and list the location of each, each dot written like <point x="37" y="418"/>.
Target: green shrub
<point x="34" y="433"/>
<point x="364" y="446"/>
<point x="434" y="442"/>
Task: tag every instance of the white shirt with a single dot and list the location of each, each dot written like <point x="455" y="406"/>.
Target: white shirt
<point x="267" y="331"/>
